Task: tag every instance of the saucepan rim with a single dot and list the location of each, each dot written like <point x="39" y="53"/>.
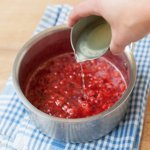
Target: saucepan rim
<point x="25" y="101"/>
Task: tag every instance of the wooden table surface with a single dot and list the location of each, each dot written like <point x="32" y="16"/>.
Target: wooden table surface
<point x="18" y="20"/>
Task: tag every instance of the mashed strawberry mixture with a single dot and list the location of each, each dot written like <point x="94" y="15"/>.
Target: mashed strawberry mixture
<point x="57" y="89"/>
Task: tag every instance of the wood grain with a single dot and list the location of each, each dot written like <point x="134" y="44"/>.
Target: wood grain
<point x="18" y="20"/>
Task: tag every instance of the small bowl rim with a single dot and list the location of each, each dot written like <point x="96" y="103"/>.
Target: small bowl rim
<point x="25" y="101"/>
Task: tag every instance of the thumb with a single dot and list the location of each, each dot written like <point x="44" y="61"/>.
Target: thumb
<point x="84" y="9"/>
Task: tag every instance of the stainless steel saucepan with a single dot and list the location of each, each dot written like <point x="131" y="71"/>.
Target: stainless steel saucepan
<point x="50" y="43"/>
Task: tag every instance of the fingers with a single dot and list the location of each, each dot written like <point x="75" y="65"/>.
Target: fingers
<point x="84" y="9"/>
<point x="116" y="48"/>
<point x="119" y="41"/>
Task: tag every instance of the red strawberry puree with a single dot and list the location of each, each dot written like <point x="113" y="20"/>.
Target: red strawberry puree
<point x="56" y="87"/>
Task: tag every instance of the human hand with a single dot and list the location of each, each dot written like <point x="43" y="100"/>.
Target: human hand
<point x="129" y="20"/>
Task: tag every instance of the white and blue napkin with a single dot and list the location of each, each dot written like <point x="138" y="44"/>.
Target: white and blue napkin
<point x="18" y="133"/>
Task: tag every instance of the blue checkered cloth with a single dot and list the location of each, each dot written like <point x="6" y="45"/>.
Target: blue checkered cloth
<point x="18" y="132"/>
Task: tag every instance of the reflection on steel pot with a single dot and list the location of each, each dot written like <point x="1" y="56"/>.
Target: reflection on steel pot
<point x="53" y="42"/>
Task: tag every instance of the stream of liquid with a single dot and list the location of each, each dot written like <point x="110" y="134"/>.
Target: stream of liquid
<point x="83" y="81"/>
<point x="82" y="76"/>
